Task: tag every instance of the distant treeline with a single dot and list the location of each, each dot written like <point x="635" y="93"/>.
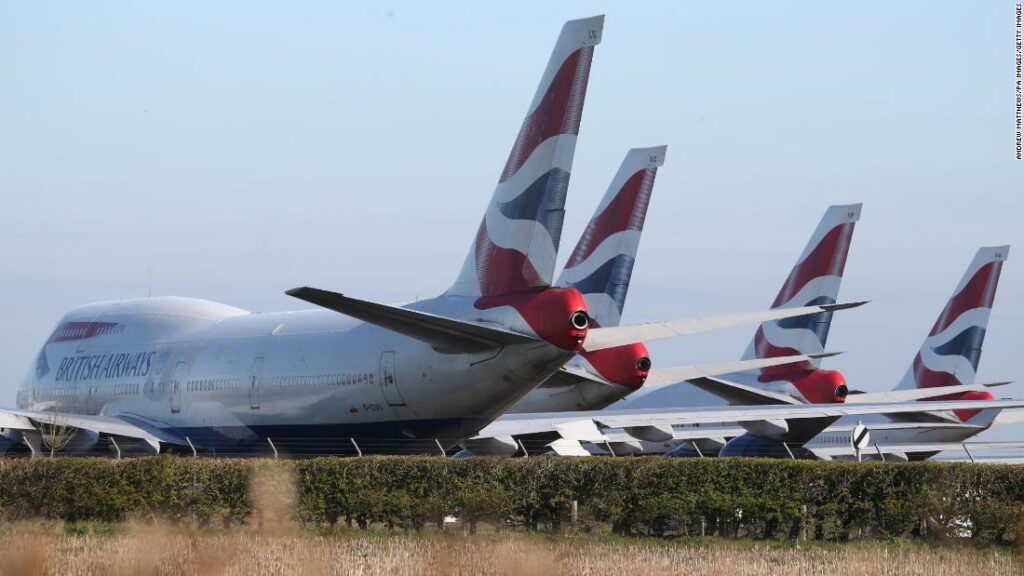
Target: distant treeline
<point x="661" y="497"/>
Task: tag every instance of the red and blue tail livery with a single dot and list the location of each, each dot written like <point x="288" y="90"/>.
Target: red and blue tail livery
<point x="517" y="242"/>
<point x="814" y="280"/>
<point x="950" y="354"/>
<point x="601" y="265"/>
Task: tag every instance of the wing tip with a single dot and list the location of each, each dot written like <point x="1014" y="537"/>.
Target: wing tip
<point x="843" y="305"/>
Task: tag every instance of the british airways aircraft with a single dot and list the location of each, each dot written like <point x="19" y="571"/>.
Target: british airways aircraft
<point x="601" y="267"/>
<point x="212" y="375"/>
<point x="943" y="369"/>
<point x="351" y="375"/>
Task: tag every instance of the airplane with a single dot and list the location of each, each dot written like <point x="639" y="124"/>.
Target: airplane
<point x="198" y="373"/>
<point x="601" y="267"/>
<point x="636" y="428"/>
<point x="350" y="376"/>
<point x="814" y="279"/>
<point x="943" y="369"/>
<point x="945" y="366"/>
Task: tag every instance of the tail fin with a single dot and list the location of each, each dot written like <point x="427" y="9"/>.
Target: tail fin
<point x="517" y="242"/>
<point x="950" y="353"/>
<point x="602" y="263"/>
<point x="814" y="280"/>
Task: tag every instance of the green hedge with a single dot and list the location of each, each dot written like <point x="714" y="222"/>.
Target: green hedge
<point x="630" y="496"/>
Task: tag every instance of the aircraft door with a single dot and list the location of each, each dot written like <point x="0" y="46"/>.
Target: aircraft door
<point x="177" y="383"/>
<point x="254" y="383"/>
<point x="388" y="380"/>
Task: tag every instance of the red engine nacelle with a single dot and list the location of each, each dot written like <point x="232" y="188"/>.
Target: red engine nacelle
<point x="817" y="386"/>
<point x="558" y="315"/>
<point x="965" y="415"/>
<point x="624" y="365"/>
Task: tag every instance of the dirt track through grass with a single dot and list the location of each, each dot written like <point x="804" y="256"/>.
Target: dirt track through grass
<point x="149" y="551"/>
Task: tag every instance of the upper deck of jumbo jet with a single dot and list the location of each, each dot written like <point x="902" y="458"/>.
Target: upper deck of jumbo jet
<point x="194" y="308"/>
<point x="174" y="318"/>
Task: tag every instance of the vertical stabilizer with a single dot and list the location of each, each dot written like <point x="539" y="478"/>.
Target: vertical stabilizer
<point x="950" y="354"/>
<point x="815" y="279"/>
<point x="517" y="242"/>
<point x="601" y="265"/>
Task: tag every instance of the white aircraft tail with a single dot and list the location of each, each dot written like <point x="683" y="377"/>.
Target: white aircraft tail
<point x="950" y="353"/>
<point x="516" y="244"/>
<point x="814" y="280"/>
<point x="602" y="264"/>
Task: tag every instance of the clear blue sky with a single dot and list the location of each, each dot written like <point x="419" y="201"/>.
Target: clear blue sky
<point x="233" y="150"/>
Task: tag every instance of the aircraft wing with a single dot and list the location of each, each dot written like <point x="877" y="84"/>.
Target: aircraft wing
<point x="533" y="423"/>
<point x="444" y="334"/>
<point x="117" y="426"/>
<point x="736" y="392"/>
<point x="912" y="394"/>
<point x="571" y="374"/>
<point x="970" y="449"/>
<point x="601" y="338"/>
<point x="660" y="377"/>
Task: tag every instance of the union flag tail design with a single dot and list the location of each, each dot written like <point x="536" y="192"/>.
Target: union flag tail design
<point x="814" y="280"/>
<point x="601" y="265"/>
<point x="517" y="242"/>
<point x="950" y="353"/>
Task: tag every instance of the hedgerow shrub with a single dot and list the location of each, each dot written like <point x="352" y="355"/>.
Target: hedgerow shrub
<point x="661" y="497"/>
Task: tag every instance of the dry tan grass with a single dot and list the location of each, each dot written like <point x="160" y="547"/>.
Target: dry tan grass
<point x="156" y="551"/>
<point x="274" y="497"/>
<point x="273" y="544"/>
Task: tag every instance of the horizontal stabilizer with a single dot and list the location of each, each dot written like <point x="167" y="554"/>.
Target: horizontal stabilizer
<point x="906" y="395"/>
<point x="601" y="338"/>
<point x="446" y="335"/>
<point x="660" y="377"/>
<point x="736" y="393"/>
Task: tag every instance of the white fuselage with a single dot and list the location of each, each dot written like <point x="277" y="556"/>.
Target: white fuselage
<point x="225" y="377"/>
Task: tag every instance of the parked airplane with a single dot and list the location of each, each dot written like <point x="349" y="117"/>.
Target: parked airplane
<point x="945" y="366"/>
<point x="601" y="267"/>
<point x="178" y="372"/>
<point x="195" y="372"/>
<point x="655" y="425"/>
<point x="943" y="369"/>
<point x="814" y="279"/>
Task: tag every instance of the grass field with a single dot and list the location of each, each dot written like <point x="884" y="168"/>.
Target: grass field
<point x="34" y="550"/>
